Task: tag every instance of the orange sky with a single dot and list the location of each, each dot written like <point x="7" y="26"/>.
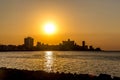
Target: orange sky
<point x="96" y="22"/>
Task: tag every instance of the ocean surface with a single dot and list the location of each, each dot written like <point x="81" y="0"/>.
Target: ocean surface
<point x="64" y="61"/>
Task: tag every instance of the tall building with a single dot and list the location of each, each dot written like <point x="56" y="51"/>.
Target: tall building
<point x="29" y="42"/>
<point x="84" y="46"/>
<point x="83" y="43"/>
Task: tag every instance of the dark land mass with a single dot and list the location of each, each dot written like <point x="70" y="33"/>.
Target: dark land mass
<point x="14" y="74"/>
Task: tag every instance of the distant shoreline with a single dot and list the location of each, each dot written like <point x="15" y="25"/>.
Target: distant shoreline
<point x="50" y="50"/>
<point x="55" y="50"/>
<point x="68" y="45"/>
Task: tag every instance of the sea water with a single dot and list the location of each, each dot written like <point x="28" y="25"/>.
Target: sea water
<point x="79" y="62"/>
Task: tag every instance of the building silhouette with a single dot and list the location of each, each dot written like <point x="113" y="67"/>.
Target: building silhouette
<point x="84" y="46"/>
<point x="28" y="42"/>
<point x="83" y="43"/>
<point x="38" y="45"/>
<point x="68" y="45"/>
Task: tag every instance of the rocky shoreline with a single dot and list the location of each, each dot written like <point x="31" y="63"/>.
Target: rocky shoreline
<point x="15" y="74"/>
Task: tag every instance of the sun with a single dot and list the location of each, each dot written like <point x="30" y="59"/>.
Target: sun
<point x="49" y="28"/>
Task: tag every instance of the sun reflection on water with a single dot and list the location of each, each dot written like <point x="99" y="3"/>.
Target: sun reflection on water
<point x="48" y="61"/>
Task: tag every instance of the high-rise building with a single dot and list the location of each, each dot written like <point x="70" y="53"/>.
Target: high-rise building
<point x="83" y="43"/>
<point x="29" y="42"/>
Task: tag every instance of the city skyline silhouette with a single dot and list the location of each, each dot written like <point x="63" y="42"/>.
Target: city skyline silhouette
<point x="29" y="45"/>
<point x="51" y="21"/>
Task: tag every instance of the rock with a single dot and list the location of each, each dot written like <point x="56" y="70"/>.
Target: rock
<point x="104" y="77"/>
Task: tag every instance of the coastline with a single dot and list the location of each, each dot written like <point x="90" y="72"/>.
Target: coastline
<point x="52" y="50"/>
<point x="56" y="50"/>
<point x="15" y="74"/>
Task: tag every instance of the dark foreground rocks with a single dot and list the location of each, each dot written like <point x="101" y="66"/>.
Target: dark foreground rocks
<point x="14" y="74"/>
